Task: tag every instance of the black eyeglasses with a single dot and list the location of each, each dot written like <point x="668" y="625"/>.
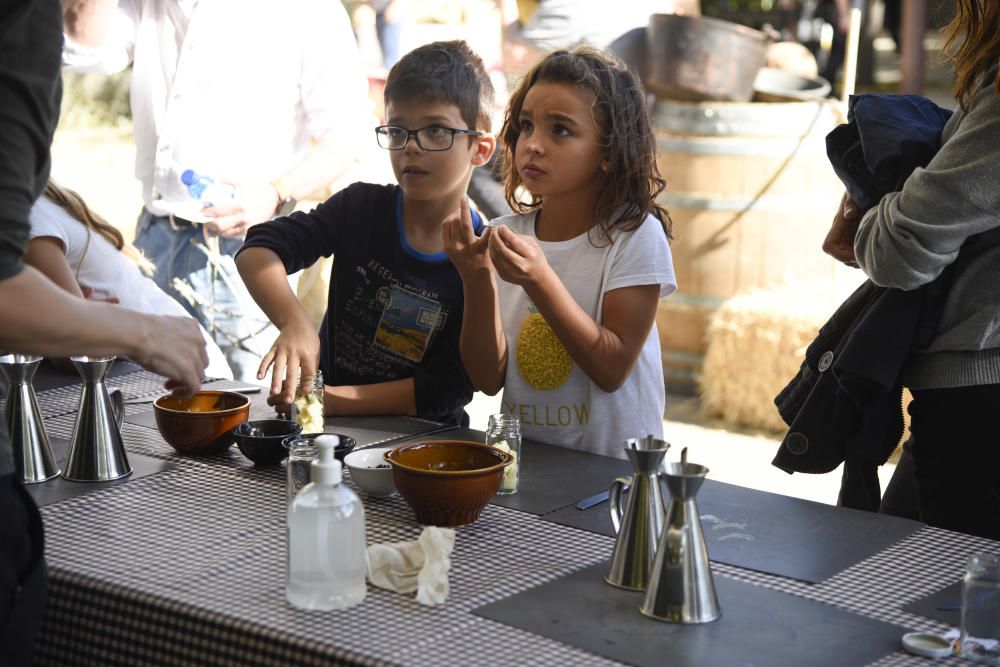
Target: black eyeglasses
<point x="430" y="138"/>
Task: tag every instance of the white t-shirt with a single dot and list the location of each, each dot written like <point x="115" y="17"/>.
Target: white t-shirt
<point x="99" y="265"/>
<point x="555" y="400"/>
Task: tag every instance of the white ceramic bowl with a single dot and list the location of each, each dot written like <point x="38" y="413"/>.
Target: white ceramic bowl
<point x="371" y="471"/>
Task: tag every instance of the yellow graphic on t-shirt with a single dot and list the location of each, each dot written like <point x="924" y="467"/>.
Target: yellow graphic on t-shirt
<point x="541" y="358"/>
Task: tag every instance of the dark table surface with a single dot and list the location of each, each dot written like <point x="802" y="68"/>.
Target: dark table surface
<point x="187" y="566"/>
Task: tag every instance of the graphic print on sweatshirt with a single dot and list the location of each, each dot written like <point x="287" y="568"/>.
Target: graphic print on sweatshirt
<point x="408" y="322"/>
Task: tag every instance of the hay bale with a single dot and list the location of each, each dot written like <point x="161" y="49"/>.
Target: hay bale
<point x="756" y="342"/>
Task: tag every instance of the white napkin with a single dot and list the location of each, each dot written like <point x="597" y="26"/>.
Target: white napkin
<point x="421" y="565"/>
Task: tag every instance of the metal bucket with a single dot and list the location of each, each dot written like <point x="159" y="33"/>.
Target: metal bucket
<point x="698" y="59"/>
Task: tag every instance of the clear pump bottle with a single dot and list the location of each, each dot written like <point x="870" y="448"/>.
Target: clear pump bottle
<point x="326" y="538"/>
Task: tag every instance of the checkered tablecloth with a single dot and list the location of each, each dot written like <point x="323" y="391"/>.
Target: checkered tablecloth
<point x="188" y="566"/>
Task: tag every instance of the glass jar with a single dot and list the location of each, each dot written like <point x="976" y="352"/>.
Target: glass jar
<point x="504" y="433"/>
<point x="980" y="638"/>
<point x="301" y="453"/>
<point x="309" y="408"/>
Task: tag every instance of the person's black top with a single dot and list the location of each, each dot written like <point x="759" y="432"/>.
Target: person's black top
<point x="393" y="312"/>
<point x="30" y="92"/>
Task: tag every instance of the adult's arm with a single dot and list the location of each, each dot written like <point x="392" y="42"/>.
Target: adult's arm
<point x="41" y="318"/>
<point x="910" y="236"/>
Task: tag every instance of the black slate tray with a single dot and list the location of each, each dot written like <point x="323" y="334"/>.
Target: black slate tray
<point x="58" y="489"/>
<point x="758" y="626"/>
<point x="945" y="605"/>
<point x="772" y="533"/>
<point x="550" y="477"/>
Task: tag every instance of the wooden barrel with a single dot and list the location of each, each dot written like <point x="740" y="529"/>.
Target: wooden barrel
<point x="752" y="194"/>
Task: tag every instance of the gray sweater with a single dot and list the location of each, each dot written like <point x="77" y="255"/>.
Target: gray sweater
<point x="909" y="238"/>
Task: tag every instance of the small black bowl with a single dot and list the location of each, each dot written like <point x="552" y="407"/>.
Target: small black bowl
<point x="260" y="440"/>
<point x="346" y="446"/>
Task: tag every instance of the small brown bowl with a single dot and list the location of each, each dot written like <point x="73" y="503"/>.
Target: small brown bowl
<point x="447" y="482"/>
<point x="202" y="424"/>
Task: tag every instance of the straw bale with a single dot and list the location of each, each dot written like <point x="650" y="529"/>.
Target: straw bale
<point x="756" y="342"/>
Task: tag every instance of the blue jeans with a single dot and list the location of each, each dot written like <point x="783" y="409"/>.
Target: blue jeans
<point x="226" y="309"/>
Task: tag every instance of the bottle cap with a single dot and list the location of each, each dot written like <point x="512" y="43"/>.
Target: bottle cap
<point x="188" y="177"/>
<point x="926" y="644"/>
<point x="327" y="469"/>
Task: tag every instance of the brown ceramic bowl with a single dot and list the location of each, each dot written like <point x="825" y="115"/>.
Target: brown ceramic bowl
<point x="202" y="424"/>
<point x="447" y="482"/>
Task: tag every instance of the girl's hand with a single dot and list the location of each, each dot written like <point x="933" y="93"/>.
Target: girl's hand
<point x="297" y="347"/>
<point x="468" y="253"/>
<point x="839" y="241"/>
<point x="518" y="259"/>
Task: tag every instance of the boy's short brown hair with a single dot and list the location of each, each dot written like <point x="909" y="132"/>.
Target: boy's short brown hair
<point x="448" y="72"/>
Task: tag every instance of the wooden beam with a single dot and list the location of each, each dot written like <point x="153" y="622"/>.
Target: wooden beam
<point x="912" y="60"/>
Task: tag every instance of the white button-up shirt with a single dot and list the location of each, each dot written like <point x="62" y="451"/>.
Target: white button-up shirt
<point x="234" y="89"/>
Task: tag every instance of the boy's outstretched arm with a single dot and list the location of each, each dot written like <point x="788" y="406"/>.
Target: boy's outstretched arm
<point x="482" y="343"/>
<point x="606" y="352"/>
<point x="297" y="346"/>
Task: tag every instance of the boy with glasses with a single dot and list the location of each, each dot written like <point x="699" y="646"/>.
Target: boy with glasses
<point x="389" y="341"/>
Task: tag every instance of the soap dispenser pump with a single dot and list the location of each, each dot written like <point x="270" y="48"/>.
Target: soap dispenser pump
<point x="326" y="538"/>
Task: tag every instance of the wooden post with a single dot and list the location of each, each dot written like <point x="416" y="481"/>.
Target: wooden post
<point x="851" y="55"/>
<point x="913" y="25"/>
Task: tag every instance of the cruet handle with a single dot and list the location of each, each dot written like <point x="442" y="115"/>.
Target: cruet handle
<point x="615" y="501"/>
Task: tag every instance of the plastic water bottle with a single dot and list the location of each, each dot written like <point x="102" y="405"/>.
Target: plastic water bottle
<point x="326" y="538"/>
<point x="205" y="189"/>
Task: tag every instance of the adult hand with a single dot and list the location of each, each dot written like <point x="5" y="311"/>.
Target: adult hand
<point x="173" y="347"/>
<point x="251" y="205"/>
<point x="297" y="347"/>
<point x="518" y="259"/>
<point x="839" y="241"/>
<point x="468" y="253"/>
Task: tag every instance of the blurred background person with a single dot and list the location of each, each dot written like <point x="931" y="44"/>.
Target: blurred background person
<point x="266" y="97"/>
<point x="80" y="251"/>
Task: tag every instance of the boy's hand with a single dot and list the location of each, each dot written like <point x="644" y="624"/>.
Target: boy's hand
<point x="839" y="241"/>
<point x="297" y="347"/>
<point x="518" y="259"/>
<point x="467" y="252"/>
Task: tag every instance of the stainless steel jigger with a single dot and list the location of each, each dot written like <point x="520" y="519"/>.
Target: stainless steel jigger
<point x="639" y="526"/>
<point x="681" y="589"/>
<point x="97" y="453"/>
<point x="32" y="453"/>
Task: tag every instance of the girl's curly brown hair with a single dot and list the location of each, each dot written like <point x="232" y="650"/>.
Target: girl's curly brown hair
<point x="974" y="47"/>
<point x="632" y="182"/>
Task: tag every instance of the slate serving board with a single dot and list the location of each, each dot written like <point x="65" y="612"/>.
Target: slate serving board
<point x="550" y="477"/>
<point x="58" y="489"/>
<point x="758" y="626"/>
<point x="944" y="605"/>
<point x="772" y="533"/>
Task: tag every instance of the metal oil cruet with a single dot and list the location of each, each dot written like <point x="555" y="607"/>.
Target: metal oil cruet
<point x="33" y="457"/>
<point x="638" y="527"/>
<point x="681" y="588"/>
<point x="97" y="453"/>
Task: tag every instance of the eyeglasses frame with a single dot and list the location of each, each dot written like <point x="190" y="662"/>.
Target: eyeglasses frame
<point x="416" y="137"/>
